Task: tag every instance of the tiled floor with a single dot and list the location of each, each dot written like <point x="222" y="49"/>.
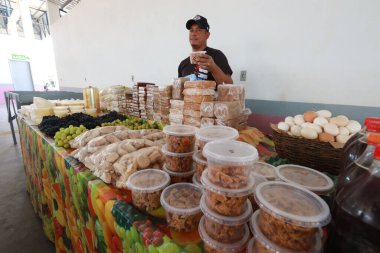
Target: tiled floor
<point x="20" y="228"/>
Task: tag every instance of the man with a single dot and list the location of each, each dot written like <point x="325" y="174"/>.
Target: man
<point x="214" y="61"/>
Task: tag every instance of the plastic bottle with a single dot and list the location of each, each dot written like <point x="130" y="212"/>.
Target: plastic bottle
<point x="356" y="218"/>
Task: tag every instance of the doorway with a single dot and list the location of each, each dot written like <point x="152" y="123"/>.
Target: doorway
<point x="21" y="75"/>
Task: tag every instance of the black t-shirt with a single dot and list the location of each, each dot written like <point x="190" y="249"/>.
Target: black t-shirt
<point x="185" y="68"/>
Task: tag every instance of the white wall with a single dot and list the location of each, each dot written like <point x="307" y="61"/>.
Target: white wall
<point x="41" y="58"/>
<point x="321" y="51"/>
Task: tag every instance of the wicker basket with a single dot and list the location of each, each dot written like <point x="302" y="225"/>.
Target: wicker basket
<point x="322" y="156"/>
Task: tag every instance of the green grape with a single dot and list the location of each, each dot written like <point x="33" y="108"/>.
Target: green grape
<point x="67" y="131"/>
<point x="59" y="143"/>
<point x="69" y="138"/>
<point x="66" y="145"/>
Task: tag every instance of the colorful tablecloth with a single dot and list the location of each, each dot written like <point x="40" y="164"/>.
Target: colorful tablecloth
<point x="80" y="213"/>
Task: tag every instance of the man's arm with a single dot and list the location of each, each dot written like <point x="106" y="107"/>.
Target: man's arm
<point x="207" y="62"/>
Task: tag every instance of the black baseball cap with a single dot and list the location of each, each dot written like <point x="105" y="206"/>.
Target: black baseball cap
<point x="200" y="21"/>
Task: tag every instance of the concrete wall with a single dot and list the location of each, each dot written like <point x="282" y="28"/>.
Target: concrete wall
<point x="315" y="51"/>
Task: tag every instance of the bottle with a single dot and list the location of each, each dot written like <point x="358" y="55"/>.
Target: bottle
<point x="356" y="218"/>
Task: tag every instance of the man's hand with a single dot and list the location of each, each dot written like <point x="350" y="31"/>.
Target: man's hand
<point x="206" y="62"/>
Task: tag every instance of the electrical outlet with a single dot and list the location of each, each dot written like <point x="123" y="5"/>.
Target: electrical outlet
<point x="243" y="75"/>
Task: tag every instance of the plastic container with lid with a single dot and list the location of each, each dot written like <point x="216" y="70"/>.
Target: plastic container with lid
<point x="181" y="203"/>
<point x="290" y="215"/>
<point x="261" y="244"/>
<point x="178" y="162"/>
<point x="308" y="178"/>
<point x="212" y="133"/>
<point x="179" y="177"/>
<point x="265" y="169"/>
<point x="213" y="246"/>
<point x="225" y="229"/>
<point x="146" y="187"/>
<point x="258" y="180"/>
<point x="229" y="162"/>
<point x="200" y="163"/>
<point x="180" y="138"/>
<point x="227" y="202"/>
<point x="196" y="181"/>
<point x="194" y="56"/>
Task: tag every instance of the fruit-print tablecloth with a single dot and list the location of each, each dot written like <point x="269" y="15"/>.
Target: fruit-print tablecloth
<point x="80" y="213"/>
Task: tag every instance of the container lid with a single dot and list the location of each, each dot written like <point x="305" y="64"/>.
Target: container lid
<point x="178" y="174"/>
<point x="271" y="246"/>
<point x="249" y="189"/>
<point x="198" y="158"/>
<point x="223" y="247"/>
<point x="258" y="179"/>
<point x="179" y="130"/>
<point x="212" y="133"/>
<point x="182" y="198"/>
<point x="229" y="151"/>
<point x="250" y="245"/>
<point x="265" y="169"/>
<point x="148" y="180"/>
<point x="196" y="181"/>
<point x="292" y="203"/>
<point x="227" y="220"/>
<point x="168" y="153"/>
<point x="308" y="178"/>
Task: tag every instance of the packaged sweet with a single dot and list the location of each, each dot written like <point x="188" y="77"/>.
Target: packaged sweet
<point x="227" y="110"/>
<point x="178" y="87"/>
<point x="198" y="99"/>
<point x="231" y="92"/>
<point x="196" y="92"/>
<point x="192" y="121"/>
<point x="206" y="122"/>
<point x="180" y="139"/>
<point x="200" y="84"/>
<point x="179" y="177"/>
<point x="192" y="113"/>
<point x="178" y="162"/>
<point x="207" y="109"/>
<point x="192" y="106"/>
<point x="213" y="133"/>
<point x="177" y="104"/>
<point x="200" y="163"/>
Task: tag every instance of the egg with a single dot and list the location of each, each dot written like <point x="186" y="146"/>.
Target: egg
<point x="331" y="129"/>
<point x="283" y="126"/>
<point x="342" y="138"/>
<point x="340" y="120"/>
<point x="343" y="130"/>
<point x="295" y="130"/>
<point x="353" y="126"/>
<point x="289" y="120"/>
<point x="324" y="113"/>
<point x="306" y="124"/>
<point x="309" y="116"/>
<point x="309" y="133"/>
<point x="325" y="137"/>
<point x="298" y="119"/>
<point x="316" y="127"/>
<point x="320" y="121"/>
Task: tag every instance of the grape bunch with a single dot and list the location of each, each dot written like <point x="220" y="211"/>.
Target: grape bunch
<point x="135" y="123"/>
<point x="63" y="137"/>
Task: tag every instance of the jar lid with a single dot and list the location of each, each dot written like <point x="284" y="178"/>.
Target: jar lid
<point x="308" y="178"/>
<point x="265" y="169"/>
<point x="271" y="246"/>
<point x="168" y="153"/>
<point x="212" y="133"/>
<point x="293" y="204"/>
<point x="227" y="220"/>
<point x="148" y="180"/>
<point x="198" y="158"/>
<point x="181" y="198"/>
<point x="228" y="151"/>
<point x="241" y="192"/>
<point x="179" y="130"/>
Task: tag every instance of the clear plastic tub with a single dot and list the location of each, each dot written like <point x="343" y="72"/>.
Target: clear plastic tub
<point x="194" y="56"/>
<point x="308" y="178"/>
<point x="200" y="163"/>
<point x="181" y="203"/>
<point x="258" y="180"/>
<point x="224" y="229"/>
<point x="196" y="181"/>
<point x="229" y="162"/>
<point x="213" y="133"/>
<point x="146" y="187"/>
<point x="178" y="162"/>
<point x="227" y="202"/>
<point x="261" y="244"/>
<point x="213" y="246"/>
<point x="179" y="177"/>
<point x="180" y="139"/>
<point x="290" y="215"/>
<point x="265" y="169"/>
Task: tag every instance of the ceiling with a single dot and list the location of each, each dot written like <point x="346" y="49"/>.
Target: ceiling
<point x="65" y="5"/>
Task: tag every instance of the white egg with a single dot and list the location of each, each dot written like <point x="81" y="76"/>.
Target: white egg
<point x="306" y="124"/>
<point x="283" y="126"/>
<point x="320" y="121"/>
<point x="295" y="130"/>
<point x="324" y="113"/>
<point x="342" y="138"/>
<point x="316" y="127"/>
<point x="298" y="119"/>
<point x="353" y="126"/>
<point x="331" y="129"/>
<point x="309" y="133"/>
<point x="289" y="120"/>
<point x="340" y="120"/>
<point x="343" y="130"/>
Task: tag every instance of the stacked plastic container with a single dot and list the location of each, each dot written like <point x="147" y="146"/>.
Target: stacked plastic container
<point x="227" y="185"/>
<point x="179" y="150"/>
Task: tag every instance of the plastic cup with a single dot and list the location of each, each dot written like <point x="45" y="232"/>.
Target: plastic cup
<point x="179" y="177"/>
<point x="196" y="181"/>
<point x="181" y="203"/>
<point x="200" y="163"/>
<point x="180" y="139"/>
<point x="258" y="180"/>
<point x="213" y="133"/>
<point x="264" y="169"/>
<point x="194" y="56"/>
<point x="178" y="162"/>
<point x="290" y="215"/>
<point x="229" y="162"/>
